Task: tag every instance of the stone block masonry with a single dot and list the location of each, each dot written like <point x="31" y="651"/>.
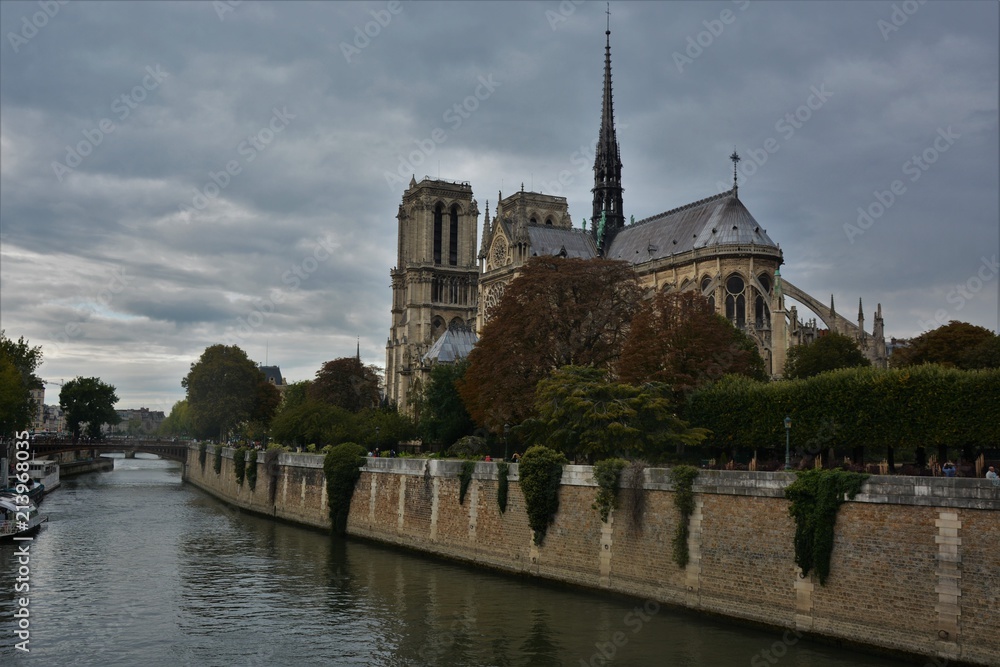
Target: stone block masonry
<point x="915" y="567"/>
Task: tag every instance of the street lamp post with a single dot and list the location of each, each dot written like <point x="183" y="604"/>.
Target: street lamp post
<point x="376" y="438"/>
<point x="788" y="451"/>
<point x="506" y="432"/>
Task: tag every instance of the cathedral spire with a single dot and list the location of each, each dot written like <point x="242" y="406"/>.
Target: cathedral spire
<point x="607" y="161"/>
<point x="735" y="157"/>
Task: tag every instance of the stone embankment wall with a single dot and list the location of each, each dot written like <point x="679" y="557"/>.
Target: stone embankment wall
<point x="915" y="569"/>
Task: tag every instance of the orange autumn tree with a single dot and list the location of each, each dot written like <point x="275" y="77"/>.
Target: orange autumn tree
<point x="557" y="312"/>
<point x="677" y="338"/>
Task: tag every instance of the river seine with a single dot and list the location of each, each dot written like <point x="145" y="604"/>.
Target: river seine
<point x="137" y="568"/>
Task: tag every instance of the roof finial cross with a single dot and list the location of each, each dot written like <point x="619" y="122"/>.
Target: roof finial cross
<point x="735" y="157"/>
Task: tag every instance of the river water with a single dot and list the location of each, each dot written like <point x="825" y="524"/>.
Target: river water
<point x="137" y="568"/>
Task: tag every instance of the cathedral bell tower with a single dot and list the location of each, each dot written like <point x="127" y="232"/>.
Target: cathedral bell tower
<point x="434" y="283"/>
<point x="608" y="216"/>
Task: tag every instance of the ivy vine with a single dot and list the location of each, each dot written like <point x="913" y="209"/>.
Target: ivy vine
<point x="816" y="496"/>
<point x="252" y="469"/>
<point x="342" y="467"/>
<point x="217" y="464"/>
<point x="464" y="479"/>
<point x="540" y="471"/>
<point x="202" y="453"/>
<point x="503" y="485"/>
<point x="607" y="474"/>
<point x="633" y="492"/>
<point x="683" y="478"/>
<point x="240" y="464"/>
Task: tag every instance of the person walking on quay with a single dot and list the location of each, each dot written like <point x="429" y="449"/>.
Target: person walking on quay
<point x="991" y="475"/>
<point x="948" y="469"/>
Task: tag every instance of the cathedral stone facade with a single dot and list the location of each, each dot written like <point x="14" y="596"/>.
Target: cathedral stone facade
<point x="713" y="245"/>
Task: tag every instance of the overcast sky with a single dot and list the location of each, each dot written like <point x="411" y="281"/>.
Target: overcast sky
<point x="176" y="175"/>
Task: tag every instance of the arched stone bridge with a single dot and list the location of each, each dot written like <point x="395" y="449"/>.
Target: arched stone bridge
<point x="175" y="451"/>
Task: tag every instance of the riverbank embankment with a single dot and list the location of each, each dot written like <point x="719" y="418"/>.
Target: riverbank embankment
<point x="915" y="566"/>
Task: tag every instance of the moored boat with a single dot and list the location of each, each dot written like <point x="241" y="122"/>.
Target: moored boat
<point x="44" y="472"/>
<point x="18" y="519"/>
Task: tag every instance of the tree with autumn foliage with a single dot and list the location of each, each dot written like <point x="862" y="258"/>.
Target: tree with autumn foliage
<point x="678" y="339"/>
<point x="956" y="344"/>
<point x="557" y="312"/>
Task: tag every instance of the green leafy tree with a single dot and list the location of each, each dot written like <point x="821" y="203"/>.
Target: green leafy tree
<point x="984" y="355"/>
<point x="314" y="422"/>
<point x="222" y="390"/>
<point x="956" y="344"/>
<point x="295" y="395"/>
<point x="384" y="428"/>
<point x="557" y="312"/>
<point x="826" y="353"/>
<point x="443" y="417"/>
<point x="347" y="383"/>
<point x="90" y="401"/>
<point x="677" y="338"/>
<point x="178" y="422"/>
<point x="18" y="363"/>
<point x="583" y="415"/>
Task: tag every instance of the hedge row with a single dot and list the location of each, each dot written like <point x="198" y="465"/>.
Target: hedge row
<point x="917" y="406"/>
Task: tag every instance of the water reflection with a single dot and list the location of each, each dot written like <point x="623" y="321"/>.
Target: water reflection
<point x="136" y="568"/>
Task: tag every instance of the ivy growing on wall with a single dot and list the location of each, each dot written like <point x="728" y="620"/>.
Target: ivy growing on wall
<point x="252" y="469"/>
<point x="240" y="464"/>
<point x="202" y="454"/>
<point x="464" y="478"/>
<point x="540" y="471"/>
<point x="217" y="464"/>
<point x="342" y="467"/>
<point x="816" y="495"/>
<point x="683" y="478"/>
<point x="607" y="474"/>
<point x="503" y="485"/>
<point x="633" y="493"/>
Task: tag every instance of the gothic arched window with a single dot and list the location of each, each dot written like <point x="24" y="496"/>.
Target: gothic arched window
<point x="762" y="314"/>
<point x="736" y="303"/>
<point x="438" y="216"/>
<point x="453" y="236"/>
<point x="765" y="282"/>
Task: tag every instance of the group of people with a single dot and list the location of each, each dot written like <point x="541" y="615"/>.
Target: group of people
<point x="950" y="470"/>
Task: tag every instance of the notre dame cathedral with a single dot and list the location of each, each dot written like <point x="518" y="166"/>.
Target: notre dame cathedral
<point x="713" y="245"/>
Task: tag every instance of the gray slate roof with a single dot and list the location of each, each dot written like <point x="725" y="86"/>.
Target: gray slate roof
<point x="272" y="374"/>
<point x="715" y="221"/>
<point x="454" y="344"/>
<point x="551" y="241"/>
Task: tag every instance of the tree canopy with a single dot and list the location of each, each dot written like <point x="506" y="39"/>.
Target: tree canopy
<point x="956" y="344"/>
<point x="18" y="362"/>
<point x="557" y="312"/>
<point x="584" y="415"/>
<point x="347" y="383"/>
<point x="826" y="353"/>
<point x="223" y="388"/>
<point x="678" y="339"/>
<point x="90" y="401"/>
<point x="178" y="422"/>
<point x="443" y="417"/>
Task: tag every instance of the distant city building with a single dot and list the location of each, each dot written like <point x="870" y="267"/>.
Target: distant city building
<point x="141" y="421"/>
<point x="38" y="419"/>
<point x="273" y="375"/>
<point x="713" y="245"/>
<point x="54" y="420"/>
